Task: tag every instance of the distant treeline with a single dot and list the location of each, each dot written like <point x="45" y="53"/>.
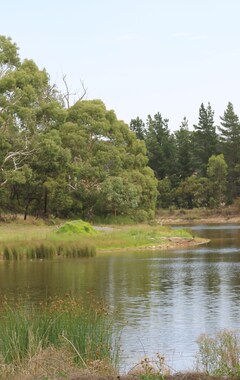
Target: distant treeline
<point x="80" y="160"/>
<point x="198" y="167"/>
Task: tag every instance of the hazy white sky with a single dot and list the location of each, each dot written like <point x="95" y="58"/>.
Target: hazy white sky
<point x="139" y="56"/>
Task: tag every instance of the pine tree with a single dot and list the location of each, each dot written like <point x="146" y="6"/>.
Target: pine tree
<point x="205" y="139"/>
<point x="184" y="154"/>
<point x="230" y="143"/>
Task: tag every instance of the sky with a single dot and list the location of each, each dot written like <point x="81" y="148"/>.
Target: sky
<point x="139" y="56"/>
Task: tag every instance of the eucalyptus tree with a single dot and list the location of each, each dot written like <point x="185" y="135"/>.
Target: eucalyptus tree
<point x="217" y="173"/>
<point x="108" y="163"/>
<point x="30" y="107"/>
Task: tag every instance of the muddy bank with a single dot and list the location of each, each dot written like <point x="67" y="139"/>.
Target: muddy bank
<point x="204" y="220"/>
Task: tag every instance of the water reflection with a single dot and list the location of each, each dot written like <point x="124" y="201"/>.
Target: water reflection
<point x="162" y="300"/>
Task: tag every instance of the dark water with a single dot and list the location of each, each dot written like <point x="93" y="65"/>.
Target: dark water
<point x="162" y="300"/>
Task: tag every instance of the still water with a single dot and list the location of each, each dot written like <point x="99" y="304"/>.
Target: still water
<point x="162" y="301"/>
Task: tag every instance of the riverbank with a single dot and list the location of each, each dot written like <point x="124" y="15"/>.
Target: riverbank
<point x="228" y="215"/>
<point x="19" y="240"/>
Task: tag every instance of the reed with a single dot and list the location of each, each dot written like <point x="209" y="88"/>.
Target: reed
<point x="61" y="323"/>
<point x="46" y="249"/>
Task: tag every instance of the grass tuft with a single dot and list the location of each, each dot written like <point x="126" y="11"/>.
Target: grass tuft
<point x="46" y="250"/>
<point x="25" y="331"/>
<point x="77" y="227"/>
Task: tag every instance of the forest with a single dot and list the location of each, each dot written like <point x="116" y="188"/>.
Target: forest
<point x="66" y="160"/>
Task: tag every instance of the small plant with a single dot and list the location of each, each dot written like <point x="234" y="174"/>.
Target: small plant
<point x="219" y="354"/>
<point x="152" y="369"/>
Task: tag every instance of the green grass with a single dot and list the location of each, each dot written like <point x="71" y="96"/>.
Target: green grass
<point x="18" y="241"/>
<point x="46" y="250"/>
<point x="61" y="323"/>
<point x="76" y="227"/>
<point x="139" y="236"/>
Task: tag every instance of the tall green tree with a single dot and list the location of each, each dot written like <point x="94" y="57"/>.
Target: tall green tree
<point x="184" y="164"/>
<point x="106" y="157"/>
<point x="230" y="141"/>
<point x="160" y="146"/>
<point x="204" y="139"/>
<point x="217" y="173"/>
<point x="138" y="126"/>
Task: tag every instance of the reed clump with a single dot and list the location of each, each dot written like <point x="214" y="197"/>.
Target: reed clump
<point x="45" y="249"/>
<point x="63" y="324"/>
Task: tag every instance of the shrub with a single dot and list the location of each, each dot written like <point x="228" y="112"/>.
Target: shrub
<point x="219" y="354"/>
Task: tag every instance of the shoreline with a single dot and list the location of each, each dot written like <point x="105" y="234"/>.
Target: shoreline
<point x="176" y="220"/>
<point x="172" y="243"/>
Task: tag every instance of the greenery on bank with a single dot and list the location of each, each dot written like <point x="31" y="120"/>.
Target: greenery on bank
<point x="139" y="236"/>
<point x="83" y="331"/>
<point x="79" y="239"/>
<point x="47" y="250"/>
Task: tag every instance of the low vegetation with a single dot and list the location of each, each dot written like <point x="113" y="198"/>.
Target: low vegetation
<point x="83" y="333"/>
<point x="47" y="250"/>
<point x="76" y="239"/>
<point x="219" y="354"/>
<point x="140" y="236"/>
<point x="78" y="227"/>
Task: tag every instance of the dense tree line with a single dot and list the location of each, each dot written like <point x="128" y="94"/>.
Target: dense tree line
<point x="81" y="161"/>
<point x="65" y="161"/>
<point x="198" y="167"/>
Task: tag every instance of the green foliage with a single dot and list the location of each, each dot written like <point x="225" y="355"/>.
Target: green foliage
<point x="230" y="140"/>
<point x="78" y="227"/>
<point x="184" y="153"/>
<point x="82" y="161"/>
<point x="193" y="192"/>
<point x="160" y="146"/>
<point x="204" y="139"/>
<point x="27" y="330"/>
<point x="46" y="250"/>
<point x="219" y="354"/>
<point x="217" y="173"/>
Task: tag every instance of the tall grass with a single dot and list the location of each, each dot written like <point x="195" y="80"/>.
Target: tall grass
<point x="25" y="331"/>
<point x="46" y="250"/>
<point x="219" y="354"/>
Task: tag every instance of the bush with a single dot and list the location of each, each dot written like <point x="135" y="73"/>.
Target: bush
<point x="220" y="354"/>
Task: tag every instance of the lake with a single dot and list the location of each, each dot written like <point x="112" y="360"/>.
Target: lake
<point x="161" y="300"/>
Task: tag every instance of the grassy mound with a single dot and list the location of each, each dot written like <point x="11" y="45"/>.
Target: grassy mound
<point x="77" y="227"/>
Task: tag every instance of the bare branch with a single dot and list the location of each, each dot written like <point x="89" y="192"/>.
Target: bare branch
<point x="17" y="159"/>
<point x="84" y="90"/>
<point x="68" y="94"/>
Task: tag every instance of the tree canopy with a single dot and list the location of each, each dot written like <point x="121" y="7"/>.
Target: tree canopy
<point x="80" y="160"/>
